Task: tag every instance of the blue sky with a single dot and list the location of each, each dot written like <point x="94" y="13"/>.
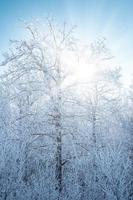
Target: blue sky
<point x="112" y="19"/>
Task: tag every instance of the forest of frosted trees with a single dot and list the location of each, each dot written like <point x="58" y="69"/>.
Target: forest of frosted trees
<point x="60" y="138"/>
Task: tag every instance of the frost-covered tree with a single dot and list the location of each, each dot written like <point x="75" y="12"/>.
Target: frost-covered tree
<point x="36" y="76"/>
<point x="61" y="139"/>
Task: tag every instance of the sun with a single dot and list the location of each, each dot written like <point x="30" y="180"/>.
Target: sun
<point x="84" y="70"/>
<point x="79" y="67"/>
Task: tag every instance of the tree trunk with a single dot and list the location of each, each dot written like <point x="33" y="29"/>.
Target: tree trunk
<point x="58" y="152"/>
<point x="94" y="130"/>
<point x="58" y="128"/>
<point x="59" y="162"/>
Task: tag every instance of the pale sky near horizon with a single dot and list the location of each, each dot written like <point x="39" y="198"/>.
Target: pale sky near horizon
<point x="112" y="19"/>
